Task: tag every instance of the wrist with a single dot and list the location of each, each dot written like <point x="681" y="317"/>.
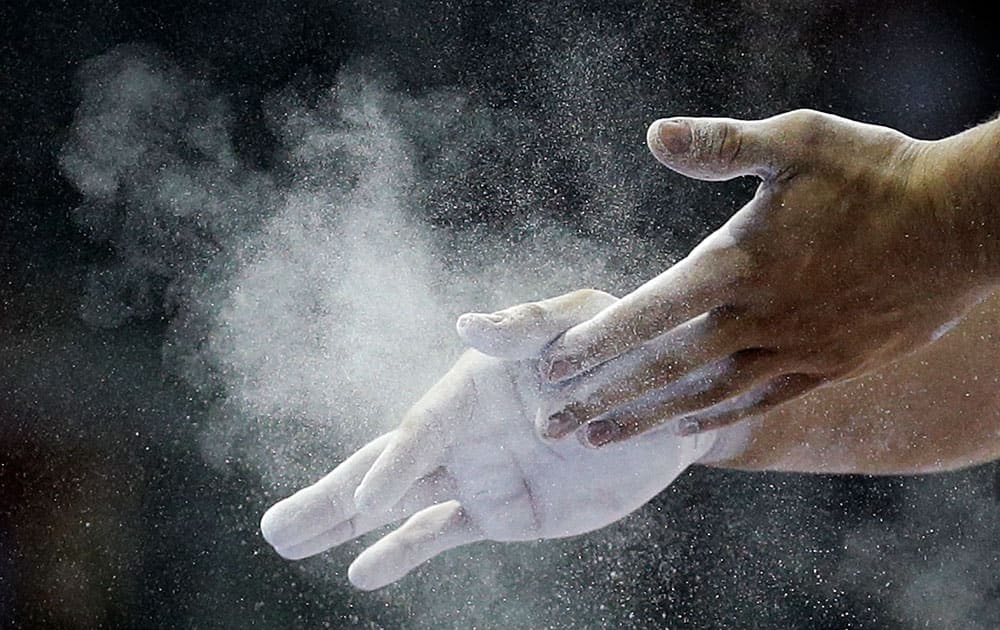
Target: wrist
<point x="960" y="178"/>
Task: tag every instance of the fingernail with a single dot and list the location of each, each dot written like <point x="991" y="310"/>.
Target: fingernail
<point x="688" y="426"/>
<point x="675" y="137"/>
<point x="600" y="432"/>
<point x="468" y="320"/>
<point x="558" y="370"/>
<point x="560" y="423"/>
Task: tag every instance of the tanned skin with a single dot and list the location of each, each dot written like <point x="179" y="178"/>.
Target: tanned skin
<point x="823" y="305"/>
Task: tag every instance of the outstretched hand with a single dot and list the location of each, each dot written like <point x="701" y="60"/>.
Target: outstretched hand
<point x="466" y="464"/>
<point x="860" y="245"/>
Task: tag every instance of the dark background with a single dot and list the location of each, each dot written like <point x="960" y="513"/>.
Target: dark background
<point x="110" y="517"/>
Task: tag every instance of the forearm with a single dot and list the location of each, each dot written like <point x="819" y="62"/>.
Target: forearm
<point x="938" y="409"/>
<point x="866" y="446"/>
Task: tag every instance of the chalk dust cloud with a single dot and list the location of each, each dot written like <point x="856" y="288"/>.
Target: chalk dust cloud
<point x="310" y="303"/>
<point x="309" y="296"/>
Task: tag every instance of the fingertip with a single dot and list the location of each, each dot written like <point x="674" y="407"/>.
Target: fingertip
<point x="271" y="525"/>
<point x="468" y="321"/>
<point x="556" y="369"/>
<point x="597" y="433"/>
<point x="462" y="323"/>
<point x="571" y="353"/>
<point x="669" y="137"/>
<point x="553" y="426"/>
<point x="361" y="576"/>
<point x="277" y="526"/>
<point x="689" y="426"/>
<point x="285" y="522"/>
<point x="491" y="334"/>
<point x="291" y="553"/>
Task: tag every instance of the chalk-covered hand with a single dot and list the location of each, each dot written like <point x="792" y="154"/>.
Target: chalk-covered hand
<point x="468" y="465"/>
<point x="860" y="245"/>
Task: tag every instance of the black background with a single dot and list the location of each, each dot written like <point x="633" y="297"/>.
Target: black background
<point x="109" y="516"/>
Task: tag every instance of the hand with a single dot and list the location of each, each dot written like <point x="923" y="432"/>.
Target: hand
<point x="860" y="245"/>
<point x="467" y="464"/>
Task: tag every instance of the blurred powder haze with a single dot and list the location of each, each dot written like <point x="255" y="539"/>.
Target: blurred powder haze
<point x="312" y="305"/>
<point x="292" y="257"/>
<point x="315" y="297"/>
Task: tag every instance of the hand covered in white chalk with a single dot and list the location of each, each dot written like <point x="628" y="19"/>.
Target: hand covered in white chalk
<point x="466" y="464"/>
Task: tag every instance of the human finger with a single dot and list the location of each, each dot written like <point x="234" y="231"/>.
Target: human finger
<point x="426" y="534"/>
<point x="724" y="148"/>
<point x="703" y="340"/>
<point x="785" y="388"/>
<point x="774" y="148"/>
<point x="429" y="490"/>
<point x="315" y="509"/>
<point x="417" y="444"/>
<point x="521" y="331"/>
<point x="743" y="372"/>
<point x="704" y="280"/>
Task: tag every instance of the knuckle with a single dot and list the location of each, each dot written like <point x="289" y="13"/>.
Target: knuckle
<point x="751" y="357"/>
<point x="590" y="300"/>
<point x="532" y="311"/>
<point x="585" y="294"/>
<point x="807" y="127"/>
<point x="717" y="141"/>
<point x="821" y="362"/>
<point x="730" y="143"/>
<point x="723" y="314"/>
<point x="792" y="384"/>
<point x="595" y="295"/>
<point x="576" y="414"/>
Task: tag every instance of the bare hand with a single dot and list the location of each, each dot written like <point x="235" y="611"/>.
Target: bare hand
<point x="467" y="464"/>
<point x="860" y="245"/>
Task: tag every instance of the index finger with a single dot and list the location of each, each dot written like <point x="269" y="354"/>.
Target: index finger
<point x="693" y="286"/>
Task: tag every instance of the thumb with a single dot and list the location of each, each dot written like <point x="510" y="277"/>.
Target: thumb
<point x="724" y="148"/>
<point x="522" y="331"/>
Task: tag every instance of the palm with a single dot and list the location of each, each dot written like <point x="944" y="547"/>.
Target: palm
<point x="514" y="486"/>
